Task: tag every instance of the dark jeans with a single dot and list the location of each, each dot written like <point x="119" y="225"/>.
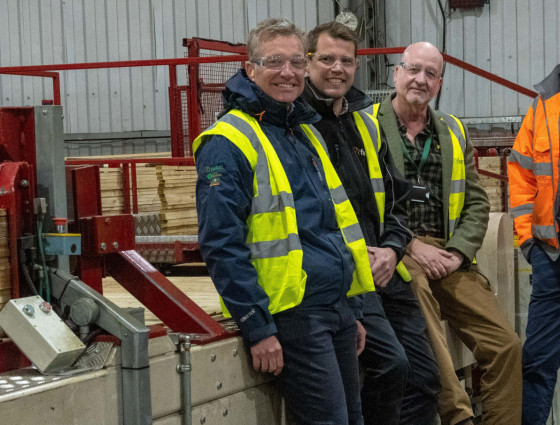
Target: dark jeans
<point x="320" y="380"/>
<point x="419" y="404"/>
<point x="384" y="365"/>
<point x="541" y="352"/>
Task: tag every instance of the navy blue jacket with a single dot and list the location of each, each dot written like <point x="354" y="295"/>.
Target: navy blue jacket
<point x="224" y="194"/>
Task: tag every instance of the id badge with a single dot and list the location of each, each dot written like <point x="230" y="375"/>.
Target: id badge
<point x="419" y="194"/>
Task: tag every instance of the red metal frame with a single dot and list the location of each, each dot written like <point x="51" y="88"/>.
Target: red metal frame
<point x="163" y="298"/>
<point x="17" y="153"/>
<point x="55" y="77"/>
<point x="86" y="201"/>
<point x="238" y="50"/>
<point x="459" y="63"/>
<point x="154" y="290"/>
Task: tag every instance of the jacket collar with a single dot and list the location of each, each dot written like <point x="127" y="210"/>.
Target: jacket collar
<point x="550" y="85"/>
<point x="357" y="100"/>
<point x="242" y="93"/>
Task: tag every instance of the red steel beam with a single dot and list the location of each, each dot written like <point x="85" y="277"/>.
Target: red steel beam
<point x="489" y="76"/>
<point x="123" y="64"/>
<point x="54" y="75"/>
<point x="459" y="63"/>
<point x="162" y="297"/>
<point x="119" y="162"/>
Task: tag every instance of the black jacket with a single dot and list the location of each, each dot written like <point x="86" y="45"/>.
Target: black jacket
<point x="346" y="150"/>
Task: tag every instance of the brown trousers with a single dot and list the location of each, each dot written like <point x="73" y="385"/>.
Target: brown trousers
<point x="465" y="299"/>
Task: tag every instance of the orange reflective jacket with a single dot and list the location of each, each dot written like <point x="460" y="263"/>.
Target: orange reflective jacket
<point x="533" y="169"/>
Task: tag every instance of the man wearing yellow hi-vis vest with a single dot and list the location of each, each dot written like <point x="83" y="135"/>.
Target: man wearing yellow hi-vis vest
<point x="448" y="212"/>
<point x="401" y="380"/>
<point x="278" y="234"/>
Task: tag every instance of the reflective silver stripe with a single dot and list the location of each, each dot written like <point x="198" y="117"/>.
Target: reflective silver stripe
<point x="377" y="185"/>
<point x="452" y="224"/>
<point x="543" y="232"/>
<point x="457" y="186"/>
<point x="339" y="195"/>
<point x="542" y="169"/>
<point x="352" y="233"/>
<point x="372" y="130"/>
<point x="318" y="137"/>
<point x="244" y="128"/>
<point x="454" y="127"/>
<point x="523" y="160"/>
<point x="263" y="204"/>
<point x="275" y="248"/>
<point x="265" y="201"/>
<point x="522" y="210"/>
<point x="368" y="110"/>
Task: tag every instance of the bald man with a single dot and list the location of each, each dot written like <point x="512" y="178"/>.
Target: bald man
<point x="448" y="213"/>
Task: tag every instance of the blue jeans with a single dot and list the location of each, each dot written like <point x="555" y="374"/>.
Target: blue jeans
<point x="541" y="352"/>
<point x="320" y="380"/>
<point x="419" y="405"/>
<point x="384" y="365"/>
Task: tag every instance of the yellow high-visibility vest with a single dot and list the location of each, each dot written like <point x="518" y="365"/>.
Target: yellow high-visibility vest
<point x="273" y="238"/>
<point x="458" y="173"/>
<point x="368" y="127"/>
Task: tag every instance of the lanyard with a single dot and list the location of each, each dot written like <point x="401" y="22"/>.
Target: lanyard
<point x="423" y="160"/>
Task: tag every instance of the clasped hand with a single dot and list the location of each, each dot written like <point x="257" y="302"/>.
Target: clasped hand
<point x="382" y="262"/>
<point x="437" y="263"/>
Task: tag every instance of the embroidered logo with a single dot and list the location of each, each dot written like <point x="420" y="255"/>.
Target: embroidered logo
<point x="214" y="174"/>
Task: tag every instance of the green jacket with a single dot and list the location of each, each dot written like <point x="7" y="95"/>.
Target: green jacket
<point x="471" y="228"/>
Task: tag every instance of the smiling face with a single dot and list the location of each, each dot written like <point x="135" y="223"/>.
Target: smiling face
<point x="334" y="80"/>
<point x="417" y="88"/>
<point x="285" y="84"/>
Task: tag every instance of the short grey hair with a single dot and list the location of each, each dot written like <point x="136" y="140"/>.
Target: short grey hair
<point x="269" y="29"/>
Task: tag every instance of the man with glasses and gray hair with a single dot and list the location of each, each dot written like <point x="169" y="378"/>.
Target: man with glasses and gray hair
<point x="280" y="239"/>
<point x="448" y="214"/>
<point x="401" y="379"/>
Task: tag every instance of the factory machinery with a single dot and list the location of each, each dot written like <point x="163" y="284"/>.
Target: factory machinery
<point x="68" y="355"/>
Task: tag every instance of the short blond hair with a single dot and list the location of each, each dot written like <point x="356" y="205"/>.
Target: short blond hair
<point x="269" y="29"/>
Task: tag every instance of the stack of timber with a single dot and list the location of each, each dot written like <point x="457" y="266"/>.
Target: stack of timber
<point x="494" y="187"/>
<point x="178" y="203"/>
<point x="147" y="182"/>
<point x="111" y="190"/>
<point x="5" y="277"/>
<point x="111" y="180"/>
<point x="166" y="190"/>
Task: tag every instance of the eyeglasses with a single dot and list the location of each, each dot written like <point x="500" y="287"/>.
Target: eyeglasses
<point x="413" y="69"/>
<point x="277" y="62"/>
<point x="330" y="60"/>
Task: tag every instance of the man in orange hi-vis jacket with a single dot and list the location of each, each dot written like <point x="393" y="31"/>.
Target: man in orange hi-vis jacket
<point x="533" y="184"/>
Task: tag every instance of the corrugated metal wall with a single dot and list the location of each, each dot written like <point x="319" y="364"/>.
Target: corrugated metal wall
<point x="37" y="32"/>
<point x="506" y="37"/>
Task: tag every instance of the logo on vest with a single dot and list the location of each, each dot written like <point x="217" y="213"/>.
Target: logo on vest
<point x="359" y="151"/>
<point x="214" y="174"/>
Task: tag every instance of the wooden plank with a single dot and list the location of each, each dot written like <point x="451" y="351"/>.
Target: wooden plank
<point x="199" y="288"/>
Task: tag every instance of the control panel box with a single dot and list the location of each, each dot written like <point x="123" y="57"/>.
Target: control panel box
<point x="40" y="334"/>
